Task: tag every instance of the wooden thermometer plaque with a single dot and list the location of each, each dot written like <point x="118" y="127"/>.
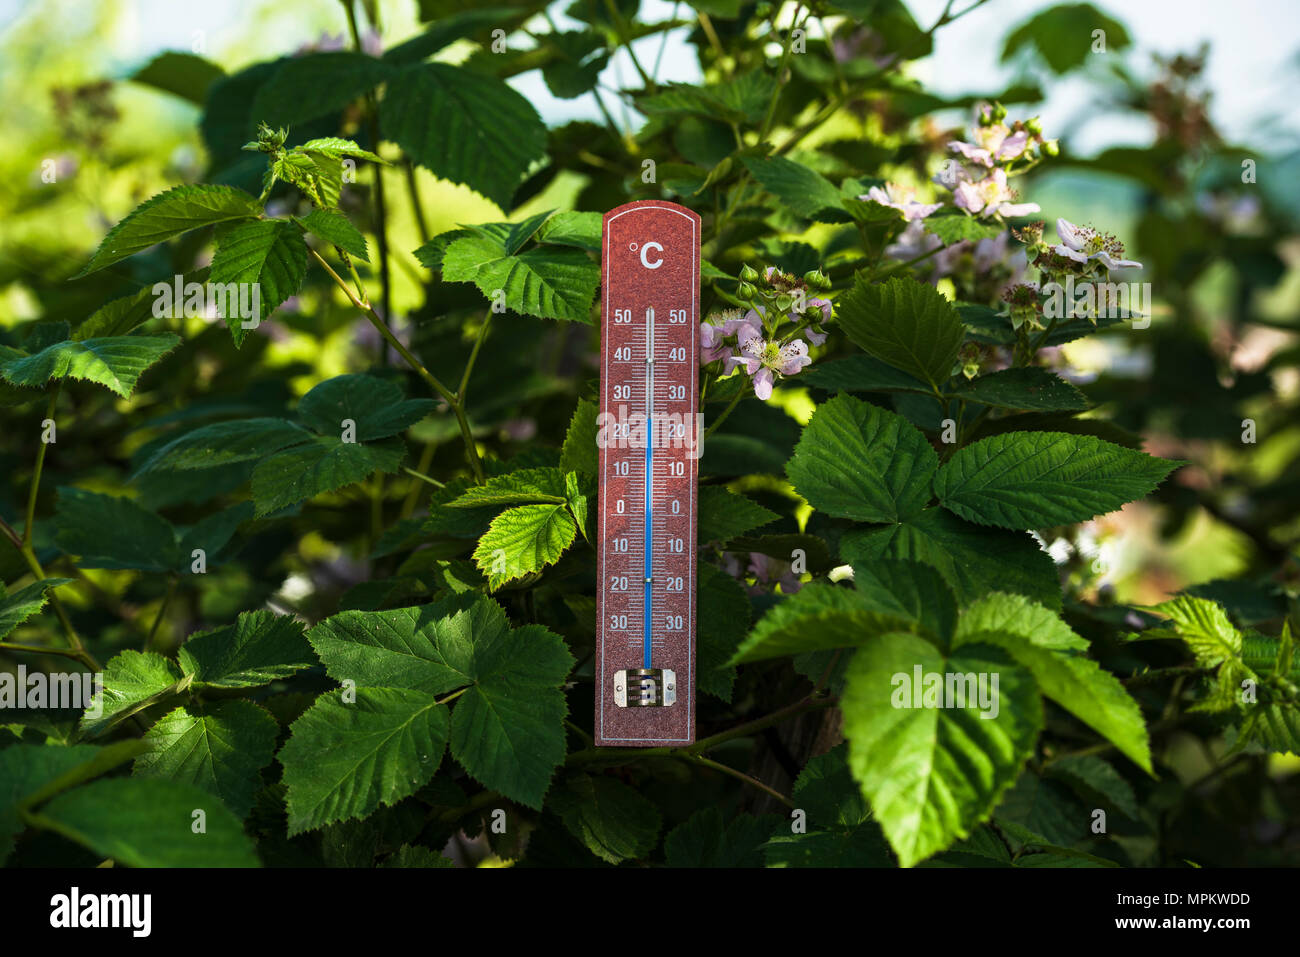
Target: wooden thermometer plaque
<point x="649" y="451"/>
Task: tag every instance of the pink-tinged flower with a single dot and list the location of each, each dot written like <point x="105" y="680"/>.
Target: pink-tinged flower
<point x="912" y="242"/>
<point x="991" y="197"/>
<point x="765" y="359"/>
<point x="1082" y="243"/>
<point x="901" y="198"/>
<point x="767" y="570"/>
<point x="993" y="144"/>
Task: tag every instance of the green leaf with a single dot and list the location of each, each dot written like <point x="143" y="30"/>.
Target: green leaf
<point x="927" y="599"/>
<point x="17" y="607"/>
<point x="1063" y="35"/>
<point x="961" y="227"/>
<point x="169" y="214"/>
<point x="973" y="560"/>
<point x="611" y="819"/>
<point x="376" y="406"/>
<point x="260" y="647"/>
<point x="544" y="282"/>
<point x="221" y="750"/>
<point x="144" y="822"/>
<point x="464" y="126"/>
<point x="30" y="774"/>
<point x="333" y="227"/>
<point x="855" y="460"/>
<point x="507" y="727"/>
<point x="306" y="87"/>
<point x="540" y="485"/>
<point x="579" y="453"/>
<point x="270" y="255"/>
<point x="1039" y="479"/>
<point x="861" y="374"/>
<point x="582" y="230"/>
<point x="523" y="540"/>
<point x="224" y="443"/>
<point x="346" y="758"/>
<point x="805" y="191"/>
<point x="1029" y="389"/>
<point x="582" y="57"/>
<point x="822" y="616"/>
<point x="724" y="515"/>
<point x="1047" y="649"/>
<point x="1096" y="779"/>
<point x="448" y="29"/>
<point x="336" y="147"/>
<point x="138" y="539"/>
<point x="131" y="679"/>
<point x="859" y="847"/>
<point x="1273" y="726"/>
<point x="512" y="237"/>
<point x="184" y="75"/>
<point x="708" y="839"/>
<point x="826" y="791"/>
<point x="905" y="323"/>
<point x="723" y="619"/>
<point x="323" y="465"/>
<point x="115" y="362"/>
<point x="933" y="773"/>
<point x="1204" y="627"/>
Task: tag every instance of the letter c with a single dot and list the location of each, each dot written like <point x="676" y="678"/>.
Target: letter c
<point x="647" y="263"/>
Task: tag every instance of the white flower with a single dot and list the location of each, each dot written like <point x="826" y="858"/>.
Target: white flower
<point x="1082" y="243"/>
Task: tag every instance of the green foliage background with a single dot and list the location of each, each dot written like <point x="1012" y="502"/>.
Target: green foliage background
<point x="353" y="680"/>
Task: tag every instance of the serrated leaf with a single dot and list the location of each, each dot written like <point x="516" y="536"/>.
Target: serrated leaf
<point x="110" y="532"/>
<point x="962" y="227"/>
<point x="826" y="791"/>
<point x="725" y="514"/>
<point x="344" y="759"/>
<point x="376" y="406"/>
<point x="17" y="607"/>
<point x="336" y="147"/>
<point x="512" y="237"/>
<point x="543" y="281"/>
<point x="448" y="29"/>
<point x="857" y="847"/>
<point x="306" y="87"/>
<point x="611" y="819"/>
<point x="1204" y="627"/>
<point x="1024" y="480"/>
<point x="579" y="452"/>
<point x="334" y="227"/>
<point x="464" y="126"/>
<point x="131" y="679"/>
<point x="224" y="443"/>
<point x="803" y="190"/>
<point x="906" y="323"/>
<point x="221" y="750"/>
<point x="973" y="560"/>
<point x="1095" y="778"/>
<point x="723" y="611"/>
<point x="1028" y="389"/>
<point x="578" y="229"/>
<point x="1077" y="684"/>
<point x="269" y="255"/>
<point x="1273" y="726"/>
<point x="522" y="540"/>
<point x="822" y="616"/>
<point x="861" y="374"/>
<point x="322" y="465"/>
<point x="933" y="773"/>
<point x="169" y="214"/>
<point x="541" y="485"/>
<point x="260" y="647"/>
<point x="144" y="822"/>
<point x="708" y="839"/>
<point x="582" y="56"/>
<point x="855" y="460"/>
<point x="507" y="727"/>
<point x="115" y="362"/>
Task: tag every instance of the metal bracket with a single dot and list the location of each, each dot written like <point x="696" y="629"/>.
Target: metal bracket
<point x="645" y="688"/>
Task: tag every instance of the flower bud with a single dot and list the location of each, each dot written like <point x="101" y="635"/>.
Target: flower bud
<point x="1052" y="147"/>
<point x="817" y="279"/>
<point x="746" y="291"/>
<point x="748" y="273"/>
<point x="1034" y="125"/>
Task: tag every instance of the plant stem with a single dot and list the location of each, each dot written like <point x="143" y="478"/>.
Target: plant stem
<point x="725" y="412"/>
<point x="413" y="188"/>
<point x="741" y="776"/>
<point x="780" y="72"/>
<point x="36" y="474"/>
<point x="620" y="28"/>
<point x="473" y="357"/>
<point x="167" y="599"/>
<point x="423" y="478"/>
<point x="587" y="739"/>
<point x="39" y="650"/>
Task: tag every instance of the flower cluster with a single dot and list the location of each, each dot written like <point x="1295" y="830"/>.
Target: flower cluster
<point x="767" y="572"/>
<point x="767" y="340"/>
<point x="978" y="179"/>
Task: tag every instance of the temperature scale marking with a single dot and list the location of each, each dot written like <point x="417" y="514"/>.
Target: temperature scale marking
<point x="649" y="396"/>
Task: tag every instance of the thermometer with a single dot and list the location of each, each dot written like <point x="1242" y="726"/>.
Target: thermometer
<point x="650" y="441"/>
